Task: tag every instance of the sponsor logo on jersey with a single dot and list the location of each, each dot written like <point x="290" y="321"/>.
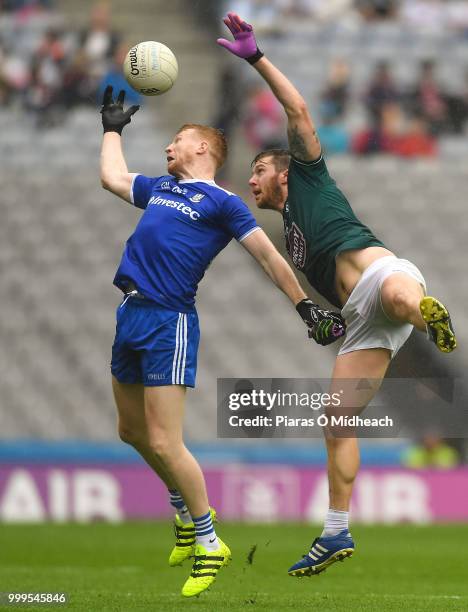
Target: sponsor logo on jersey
<point x="179" y="190"/>
<point x="166" y="185"/>
<point x="296" y="246"/>
<point x="181" y="206"/>
<point x="198" y="197"/>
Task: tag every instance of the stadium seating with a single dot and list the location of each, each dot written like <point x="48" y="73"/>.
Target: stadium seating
<point x="60" y="241"/>
<point x="61" y="237"/>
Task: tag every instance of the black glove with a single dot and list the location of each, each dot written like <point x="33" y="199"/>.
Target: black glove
<point x="324" y="326"/>
<point x="114" y="119"/>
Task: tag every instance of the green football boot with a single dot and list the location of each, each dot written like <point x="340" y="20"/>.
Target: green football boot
<point x="205" y="568"/>
<point x="438" y="323"/>
<point x="185" y="540"/>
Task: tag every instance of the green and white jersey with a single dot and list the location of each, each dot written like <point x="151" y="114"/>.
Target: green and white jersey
<point x="319" y="223"/>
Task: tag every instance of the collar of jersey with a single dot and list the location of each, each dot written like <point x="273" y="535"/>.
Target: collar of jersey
<point x="211" y="182"/>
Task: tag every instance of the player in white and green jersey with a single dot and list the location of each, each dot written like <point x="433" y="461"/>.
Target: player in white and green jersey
<point x="382" y="296"/>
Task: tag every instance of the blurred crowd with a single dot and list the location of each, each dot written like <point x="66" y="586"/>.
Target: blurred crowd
<point x="428" y="15"/>
<point x="47" y="68"/>
<point x="401" y="118"/>
<point x="24" y="7"/>
<point x="403" y="121"/>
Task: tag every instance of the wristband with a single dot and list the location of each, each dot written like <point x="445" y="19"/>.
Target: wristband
<point x="253" y="59"/>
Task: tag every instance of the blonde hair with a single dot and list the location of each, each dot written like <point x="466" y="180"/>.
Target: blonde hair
<point x="216" y="138"/>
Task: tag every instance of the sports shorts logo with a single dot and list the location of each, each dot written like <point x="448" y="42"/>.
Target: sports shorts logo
<point x="296" y="245"/>
<point x="158" y="376"/>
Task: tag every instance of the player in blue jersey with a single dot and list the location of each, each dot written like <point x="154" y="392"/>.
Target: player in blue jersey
<point x="188" y="219"/>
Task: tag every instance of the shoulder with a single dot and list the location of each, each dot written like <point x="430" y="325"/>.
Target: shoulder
<point x="198" y="190"/>
<point x="150" y="182"/>
<point x="312" y="172"/>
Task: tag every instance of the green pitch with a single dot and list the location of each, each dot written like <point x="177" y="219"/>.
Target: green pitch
<point x="124" y="567"/>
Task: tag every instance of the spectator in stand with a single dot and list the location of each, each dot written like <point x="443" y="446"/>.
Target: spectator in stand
<point x="24" y="6"/>
<point x="374" y="10"/>
<point x="229" y="100"/>
<point x="6" y="87"/>
<point x="333" y="104"/>
<point x="52" y="48"/>
<point x="335" y="97"/>
<point x="77" y="89"/>
<point x="382" y="91"/>
<point x="383" y="134"/>
<point x="416" y="141"/>
<point x="264" y="120"/>
<point x="431" y="452"/>
<point x="428" y="99"/>
<point x="99" y="43"/>
<point x="43" y="94"/>
<point x="333" y="136"/>
<point x="39" y="95"/>
<point x="392" y="136"/>
<point x="229" y="108"/>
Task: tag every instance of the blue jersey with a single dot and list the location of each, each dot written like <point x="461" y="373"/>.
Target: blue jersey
<point x="186" y="223"/>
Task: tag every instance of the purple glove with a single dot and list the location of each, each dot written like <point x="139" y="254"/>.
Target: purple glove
<point x="244" y="45"/>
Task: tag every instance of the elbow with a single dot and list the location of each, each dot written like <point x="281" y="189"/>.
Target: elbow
<point x="298" y="108"/>
<point x="105" y="183"/>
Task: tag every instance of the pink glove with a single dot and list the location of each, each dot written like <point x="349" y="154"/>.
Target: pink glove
<point x="244" y="45"/>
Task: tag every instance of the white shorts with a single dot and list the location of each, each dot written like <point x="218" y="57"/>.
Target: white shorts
<point x="367" y="324"/>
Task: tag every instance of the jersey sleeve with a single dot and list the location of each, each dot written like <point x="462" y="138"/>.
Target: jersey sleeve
<point x="237" y="219"/>
<point x="140" y="191"/>
<point x="314" y="173"/>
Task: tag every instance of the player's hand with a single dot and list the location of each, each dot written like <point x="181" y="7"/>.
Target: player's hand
<point x="114" y="118"/>
<point x="244" y="44"/>
<point x="325" y="326"/>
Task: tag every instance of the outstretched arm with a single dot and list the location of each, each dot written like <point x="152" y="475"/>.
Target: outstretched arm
<point x="324" y="326"/>
<point x="115" y="176"/>
<point x="264" y="251"/>
<point x="302" y="135"/>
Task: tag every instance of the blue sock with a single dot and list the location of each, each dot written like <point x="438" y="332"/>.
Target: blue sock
<point x="175" y="499"/>
<point x="205" y="533"/>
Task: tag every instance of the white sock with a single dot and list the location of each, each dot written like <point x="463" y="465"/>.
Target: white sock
<point x="176" y="500"/>
<point x="205" y="533"/>
<point x="335" y="521"/>
<point x="210" y="542"/>
<point x="184" y="515"/>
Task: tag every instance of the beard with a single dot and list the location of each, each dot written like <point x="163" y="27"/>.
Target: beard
<point x="272" y="198"/>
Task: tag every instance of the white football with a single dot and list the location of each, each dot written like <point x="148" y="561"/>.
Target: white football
<point x="150" y="68"/>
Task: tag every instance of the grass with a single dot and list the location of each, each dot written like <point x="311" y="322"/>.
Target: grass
<point x="124" y="567"/>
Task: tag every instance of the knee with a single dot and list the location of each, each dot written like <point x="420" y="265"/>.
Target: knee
<point x="129" y="435"/>
<point x="396" y="301"/>
<point x="399" y="299"/>
<point x="161" y="447"/>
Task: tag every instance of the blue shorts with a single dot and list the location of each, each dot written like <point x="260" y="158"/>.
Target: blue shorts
<point x="154" y="346"/>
